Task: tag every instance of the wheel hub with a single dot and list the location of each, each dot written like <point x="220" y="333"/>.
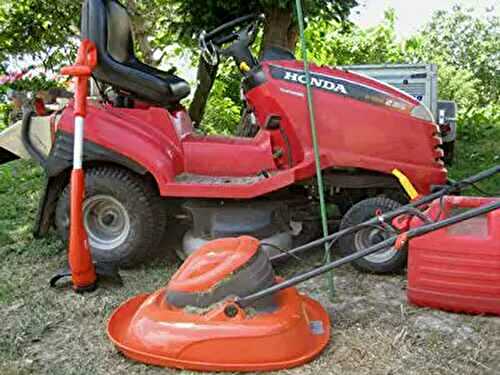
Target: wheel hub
<point x="367" y="237"/>
<point x="106" y="221"/>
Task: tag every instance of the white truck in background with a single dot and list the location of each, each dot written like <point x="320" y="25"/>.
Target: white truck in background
<point x="420" y="81"/>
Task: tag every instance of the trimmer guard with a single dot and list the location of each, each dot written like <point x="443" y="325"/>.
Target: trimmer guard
<point x="147" y="329"/>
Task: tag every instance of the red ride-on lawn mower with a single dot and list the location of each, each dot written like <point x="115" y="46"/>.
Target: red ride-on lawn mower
<point x="143" y="159"/>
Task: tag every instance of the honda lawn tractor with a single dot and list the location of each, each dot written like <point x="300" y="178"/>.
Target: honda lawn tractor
<point x="145" y="164"/>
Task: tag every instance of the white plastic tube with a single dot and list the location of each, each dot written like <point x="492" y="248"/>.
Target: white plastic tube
<point x="78" y="143"/>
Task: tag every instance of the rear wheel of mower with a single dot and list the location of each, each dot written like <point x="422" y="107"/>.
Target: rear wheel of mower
<point x="122" y="213"/>
<point x="385" y="261"/>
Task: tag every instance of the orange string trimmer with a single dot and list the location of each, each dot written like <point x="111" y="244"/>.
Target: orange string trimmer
<point x="83" y="271"/>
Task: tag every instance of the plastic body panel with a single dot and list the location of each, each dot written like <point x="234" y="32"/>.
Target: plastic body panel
<point x="149" y="330"/>
<point x="353" y="134"/>
<point x="457" y="268"/>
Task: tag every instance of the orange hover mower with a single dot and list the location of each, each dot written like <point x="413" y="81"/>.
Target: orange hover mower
<point x="195" y="322"/>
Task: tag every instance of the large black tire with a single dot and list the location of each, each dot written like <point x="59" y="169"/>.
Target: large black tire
<point x="383" y="262"/>
<point x="123" y="216"/>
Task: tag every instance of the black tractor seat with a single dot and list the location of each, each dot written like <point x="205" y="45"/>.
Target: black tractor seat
<point x="107" y="24"/>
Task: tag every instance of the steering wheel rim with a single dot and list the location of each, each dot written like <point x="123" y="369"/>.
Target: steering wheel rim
<point x="209" y="51"/>
<point x="210" y="43"/>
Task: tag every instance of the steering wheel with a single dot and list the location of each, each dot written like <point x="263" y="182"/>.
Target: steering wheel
<point x="243" y="30"/>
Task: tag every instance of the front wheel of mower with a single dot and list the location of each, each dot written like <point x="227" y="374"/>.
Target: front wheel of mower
<point x="385" y="261"/>
<point x="122" y="216"/>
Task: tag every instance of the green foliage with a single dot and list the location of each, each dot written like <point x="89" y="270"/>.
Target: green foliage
<point x="48" y="31"/>
<point x="461" y="39"/>
<point x="22" y="180"/>
<point x="197" y="15"/>
<point x="28" y="84"/>
<point x="5" y="110"/>
<point x="39" y="28"/>
<point x="466" y="89"/>
<point x="467" y="52"/>
<point x="331" y="44"/>
<point x="476" y="153"/>
<point x="224" y="104"/>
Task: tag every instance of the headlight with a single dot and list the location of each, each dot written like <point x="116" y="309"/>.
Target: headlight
<point x="423" y="113"/>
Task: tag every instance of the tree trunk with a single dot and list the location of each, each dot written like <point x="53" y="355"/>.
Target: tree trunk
<point x="206" y="77"/>
<point x="280" y="30"/>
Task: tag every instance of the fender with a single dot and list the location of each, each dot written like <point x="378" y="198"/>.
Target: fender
<point x="106" y="132"/>
<point x="61" y="156"/>
<point x="143" y="140"/>
<point x="57" y="168"/>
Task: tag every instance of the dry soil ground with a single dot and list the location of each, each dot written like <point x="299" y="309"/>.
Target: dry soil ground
<point x="375" y="331"/>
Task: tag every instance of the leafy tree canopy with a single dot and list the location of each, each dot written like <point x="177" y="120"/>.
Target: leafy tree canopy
<point x="331" y="45"/>
<point x="196" y="15"/>
<point x="463" y="40"/>
<point x="38" y="28"/>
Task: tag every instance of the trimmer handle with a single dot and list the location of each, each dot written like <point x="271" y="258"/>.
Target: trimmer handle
<point x="86" y="61"/>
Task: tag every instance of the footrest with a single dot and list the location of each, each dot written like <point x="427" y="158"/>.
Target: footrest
<point x="198" y="179"/>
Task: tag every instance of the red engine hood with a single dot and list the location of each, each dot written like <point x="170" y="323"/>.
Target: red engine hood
<point x="343" y="82"/>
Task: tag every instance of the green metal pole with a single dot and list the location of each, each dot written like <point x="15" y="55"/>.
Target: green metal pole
<point x="314" y="136"/>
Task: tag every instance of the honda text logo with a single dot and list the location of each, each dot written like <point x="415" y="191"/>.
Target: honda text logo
<point x="315" y="82"/>
<point x="351" y="86"/>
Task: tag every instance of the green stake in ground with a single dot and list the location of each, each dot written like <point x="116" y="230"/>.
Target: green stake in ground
<point x="312" y="121"/>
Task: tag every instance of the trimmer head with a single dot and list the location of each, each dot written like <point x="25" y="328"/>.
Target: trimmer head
<point x="194" y="323"/>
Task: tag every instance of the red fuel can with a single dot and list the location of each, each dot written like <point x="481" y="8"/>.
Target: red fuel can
<point x="457" y="268"/>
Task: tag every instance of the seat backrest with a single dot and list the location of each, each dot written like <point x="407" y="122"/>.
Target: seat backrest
<point x="120" y="41"/>
<point x="107" y="24"/>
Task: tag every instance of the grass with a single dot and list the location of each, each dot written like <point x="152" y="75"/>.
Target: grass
<point x="47" y="331"/>
<point x="476" y="151"/>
